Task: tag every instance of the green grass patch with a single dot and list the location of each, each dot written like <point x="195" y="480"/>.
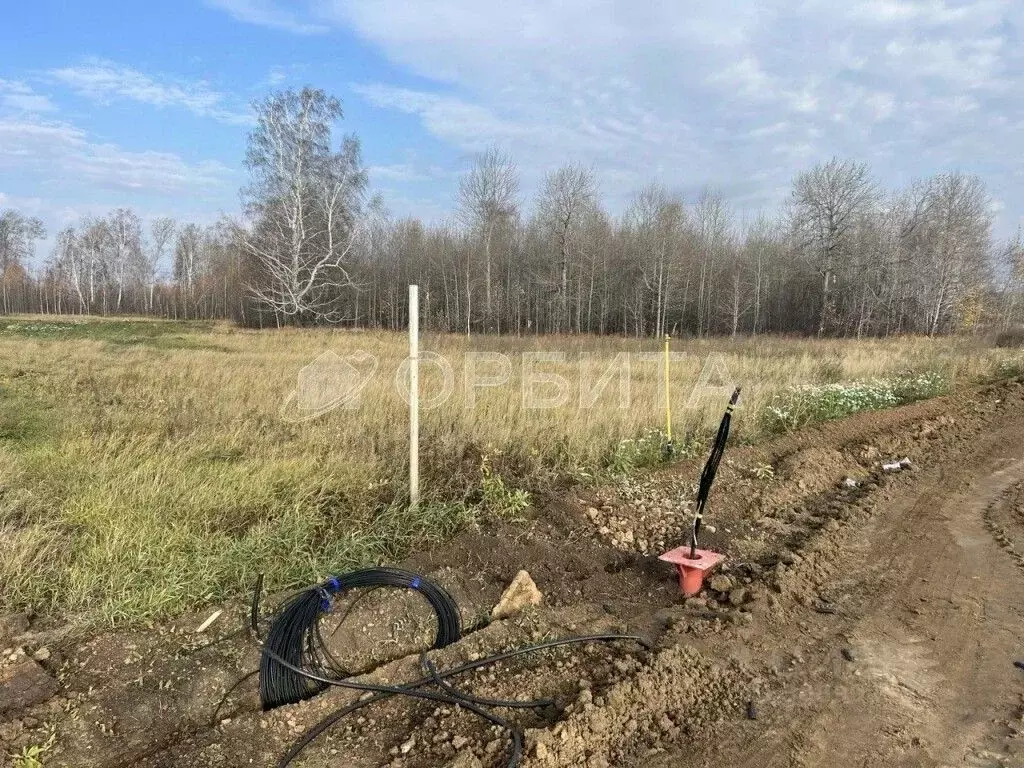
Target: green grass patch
<point x="132" y="540"/>
<point x="24" y="418"/>
<point x="159" y="334"/>
<point x="806" y="404"/>
<point x="1008" y="368"/>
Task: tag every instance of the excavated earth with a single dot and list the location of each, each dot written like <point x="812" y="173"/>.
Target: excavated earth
<point x="861" y="618"/>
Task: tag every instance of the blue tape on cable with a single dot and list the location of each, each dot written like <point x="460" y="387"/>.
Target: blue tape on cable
<point x="415" y="583"/>
<point x="335" y="584"/>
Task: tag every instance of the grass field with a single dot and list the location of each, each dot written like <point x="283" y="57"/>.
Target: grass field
<point x="147" y="467"/>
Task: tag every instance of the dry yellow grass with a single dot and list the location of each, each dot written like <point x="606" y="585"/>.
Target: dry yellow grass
<point x="146" y="467"/>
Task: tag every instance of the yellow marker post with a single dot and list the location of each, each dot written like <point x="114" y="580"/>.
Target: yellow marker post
<point x="668" y="396"/>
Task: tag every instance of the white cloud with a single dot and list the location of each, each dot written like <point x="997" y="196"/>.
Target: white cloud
<point x="738" y="93"/>
<point x="104" y="81"/>
<point x="62" y="155"/>
<point x="17" y="96"/>
<point x="402" y="172"/>
<point x="265" y="13"/>
<point x="922" y="13"/>
<point x="275" y="76"/>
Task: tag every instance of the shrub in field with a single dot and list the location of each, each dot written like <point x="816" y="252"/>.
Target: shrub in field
<point x="1009" y="368"/>
<point x="498" y="498"/>
<point x="807" y="403"/>
<point x="829" y="371"/>
<point x="1012" y="337"/>
<point x="634" y="453"/>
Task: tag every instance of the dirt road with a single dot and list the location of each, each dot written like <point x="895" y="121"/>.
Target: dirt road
<point x="914" y="668"/>
<point x="874" y="625"/>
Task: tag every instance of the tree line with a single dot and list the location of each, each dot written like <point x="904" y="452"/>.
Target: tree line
<point x="843" y="256"/>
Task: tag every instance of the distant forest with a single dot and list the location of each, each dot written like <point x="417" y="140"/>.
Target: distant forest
<point x="843" y="257"/>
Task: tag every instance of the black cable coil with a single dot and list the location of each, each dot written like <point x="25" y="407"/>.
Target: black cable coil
<point x="294" y="641"/>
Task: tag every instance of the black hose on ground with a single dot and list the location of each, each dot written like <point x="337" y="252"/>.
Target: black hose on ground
<point x="295" y="663"/>
<point x="455" y="698"/>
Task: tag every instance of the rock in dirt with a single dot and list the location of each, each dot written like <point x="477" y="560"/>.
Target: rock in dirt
<point x="788" y="557"/>
<point x="721" y="583"/>
<point x="465" y="760"/>
<point x="848" y="654"/>
<point x="898" y="466"/>
<point x="521" y="593"/>
<point x="738" y="596"/>
<point x="24" y="685"/>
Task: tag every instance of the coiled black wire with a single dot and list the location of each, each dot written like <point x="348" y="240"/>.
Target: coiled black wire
<point x="296" y="659"/>
<point x="295" y="663"/>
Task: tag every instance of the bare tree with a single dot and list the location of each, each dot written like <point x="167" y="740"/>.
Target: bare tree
<point x="487" y="199"/>
<point x="656" y="220"/>
<point x="17" y="233"/>
<point x="70" y="265"/>
<point x="188" y="260"/>
<point x="827" y="203"/>
<point x="125" y="249"/>
<point x="956" y="233"/>
<point x="161" y="231"/>
<point x="568" y="194"/>
<point x="306" y="201"/>
<point x="713" y="221"/>
<point x="1010" y="261"/>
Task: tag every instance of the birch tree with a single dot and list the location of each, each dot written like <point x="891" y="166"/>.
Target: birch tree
<point x="827" y="202"/>
<point x="487" y="199"/>
<point x="306" y="201"/>
<point x="17" y="233"/>
<point x="568" y="194"/>
<point x="161" y="232"/>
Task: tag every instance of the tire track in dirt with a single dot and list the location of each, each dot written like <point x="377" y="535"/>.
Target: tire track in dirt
<point x="932" y="625"/>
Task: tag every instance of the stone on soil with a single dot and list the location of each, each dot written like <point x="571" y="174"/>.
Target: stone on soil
<point x="720" y="583"/>
<point x="465" y="760"/>
<point x="520" y="594"/>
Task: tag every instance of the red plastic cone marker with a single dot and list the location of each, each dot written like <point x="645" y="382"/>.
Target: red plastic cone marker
<point x="692" y="569"/>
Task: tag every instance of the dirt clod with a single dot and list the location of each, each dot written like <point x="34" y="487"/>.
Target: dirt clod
<point x="721" y="583"/>
<point x="24" y="685"/>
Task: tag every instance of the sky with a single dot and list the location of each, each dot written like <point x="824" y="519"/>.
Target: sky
<point x="148" y="105"/>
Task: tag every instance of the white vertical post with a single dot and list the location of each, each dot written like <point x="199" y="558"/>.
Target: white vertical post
<point x="414" y="395"/>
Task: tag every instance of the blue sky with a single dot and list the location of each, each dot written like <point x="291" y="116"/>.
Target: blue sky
<point x="105" y="104"/>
